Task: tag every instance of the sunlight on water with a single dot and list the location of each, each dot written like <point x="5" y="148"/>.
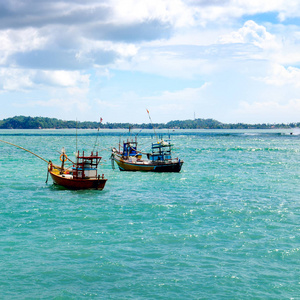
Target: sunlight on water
<point x="225" y="227"/>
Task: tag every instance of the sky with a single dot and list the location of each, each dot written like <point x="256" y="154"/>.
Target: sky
<point x="230" y="60"/>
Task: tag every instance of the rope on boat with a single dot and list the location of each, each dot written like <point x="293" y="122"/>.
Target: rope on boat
<point x="25" y="150"/>
<point x="137" y="151"/>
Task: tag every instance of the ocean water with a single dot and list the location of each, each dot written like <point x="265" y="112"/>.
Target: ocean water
<point x="225" y="227"/>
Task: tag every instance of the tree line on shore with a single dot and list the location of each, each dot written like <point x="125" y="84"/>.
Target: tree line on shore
<point x="23" y="122"/>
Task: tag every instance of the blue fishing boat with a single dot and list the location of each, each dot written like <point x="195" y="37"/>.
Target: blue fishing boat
<point x="158" y="160"/>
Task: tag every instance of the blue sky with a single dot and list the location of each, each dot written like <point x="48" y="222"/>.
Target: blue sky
<point x="231" y="60"/>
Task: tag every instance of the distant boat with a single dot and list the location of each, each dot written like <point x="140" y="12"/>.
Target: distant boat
<point x="82" y="175"/>
<point x="159" y="160"/>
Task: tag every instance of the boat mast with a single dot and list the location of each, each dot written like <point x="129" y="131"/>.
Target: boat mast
<point x="96" y="141"/>
<point x="76" y="137"/>
<point x="152" y="124"/>
<point x="63" y="156"/>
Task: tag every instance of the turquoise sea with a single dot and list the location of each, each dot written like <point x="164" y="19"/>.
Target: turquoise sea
<point x="225" y="227"/>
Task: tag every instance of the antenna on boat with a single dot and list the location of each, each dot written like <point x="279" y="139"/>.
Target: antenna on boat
<point x="129" y="130"/>
<point x="152" y="124"/>
<point x="97" y="134"/>
<point x="76" y="136"/>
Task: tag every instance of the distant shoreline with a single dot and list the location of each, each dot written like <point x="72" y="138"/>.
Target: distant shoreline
<point x="22" y="122"/>
<point x="150" y="129"/>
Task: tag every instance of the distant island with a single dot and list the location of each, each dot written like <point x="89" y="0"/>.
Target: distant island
<point x="23" y="122"/>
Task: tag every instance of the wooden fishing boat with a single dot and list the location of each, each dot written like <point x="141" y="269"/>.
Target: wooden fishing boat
<point x="159" y="160"/>
<point x="83" y="174"/>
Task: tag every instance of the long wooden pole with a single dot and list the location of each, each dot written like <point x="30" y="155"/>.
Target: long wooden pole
<point x="25" y="150"/>
<point x="152" y="124"/>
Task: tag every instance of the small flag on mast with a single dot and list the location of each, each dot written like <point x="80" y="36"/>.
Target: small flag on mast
<point x="151" y="123"/>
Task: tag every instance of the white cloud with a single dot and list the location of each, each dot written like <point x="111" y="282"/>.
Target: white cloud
<point x="20" y="40"/>
<point x="227" y="11"/>
<point x="63" y="78"/>
<point x="15" y="79"/>
<point x="172" y="62"/>
<point x="281" y="76"/>
<point x="105" y="52"/>
<point x="179" y="103"/>
<point x="257" y="6"/>
<point x="63" y="104"/>
<point x="69" y="50"/>
<point x="269" y="111"/>
<point x="251" y="33"/>
<point x="166" y="105"/>
<point x="181" y="96"/>
<point x="13" y="41"/>
<point x="288" y="9"/>
<point x="174" y="12"/>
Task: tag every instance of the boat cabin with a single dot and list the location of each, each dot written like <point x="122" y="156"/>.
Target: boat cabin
<point x="129" y="149"/>
<point x="86" y="166"/>
<point x="161" y="151"/>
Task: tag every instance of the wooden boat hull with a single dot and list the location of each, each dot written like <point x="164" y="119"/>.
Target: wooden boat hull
<point x="148" y="167"/>
<point x="78" y="184"/>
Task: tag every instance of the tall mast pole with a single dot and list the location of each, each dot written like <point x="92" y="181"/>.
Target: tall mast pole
<point x="76" y="139"/>
<point x="152" y="124"/>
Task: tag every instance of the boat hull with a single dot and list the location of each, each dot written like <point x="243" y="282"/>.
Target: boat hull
<point x="148" y="167"/>
<point x="78" y="184"/>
